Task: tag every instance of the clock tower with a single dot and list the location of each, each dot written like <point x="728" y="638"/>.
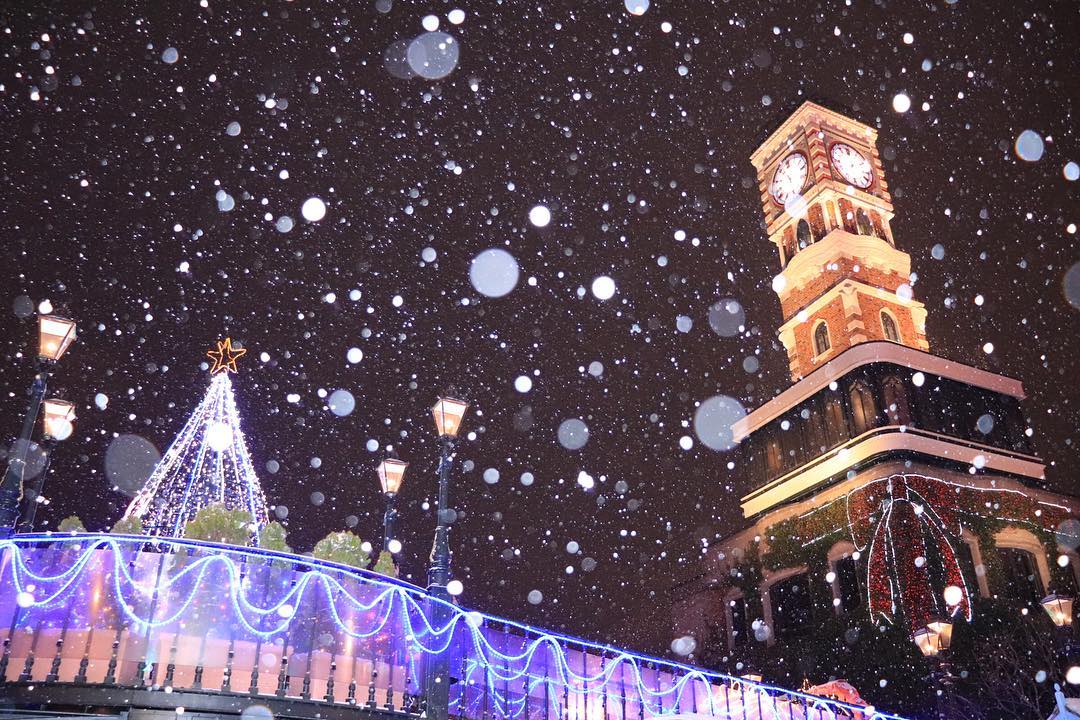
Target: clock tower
<point x="827" y="206"/>
<point x="886" y="482"/>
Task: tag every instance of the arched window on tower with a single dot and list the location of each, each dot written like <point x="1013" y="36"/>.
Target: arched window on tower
<point x="792" y="606"/>
<point x="888" y="327"/>
<point x="814" y="431"/>
<point x="789" y="247"/>
<point x="879" y="227"/>
<point x="1023" y="583"/>
<point x="774" y="458"/>
<point x="862" y="221"/>
<point x="821" y="339"/>
<point x="896" y="401"/>
<point x="803" y="232"/>
<point x="863" y="408"/>
<point x="835" y="426"/>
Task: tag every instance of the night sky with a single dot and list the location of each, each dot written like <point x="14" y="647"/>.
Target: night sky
<point x="130" y="204"/>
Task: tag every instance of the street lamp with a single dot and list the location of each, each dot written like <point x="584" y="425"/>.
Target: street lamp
<point x="933" y="640"/>
<point x="935" y="637"/>
<point x="59" y="418"/>
<point x="448" y="414"/>
<point x="55" y="335"/>
<point x="391" y="475"/>
<point x="942" y="627"/>
<point x="1059" y="608"/>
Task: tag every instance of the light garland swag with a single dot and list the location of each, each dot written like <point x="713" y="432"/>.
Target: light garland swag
<point x="169" y="592"/>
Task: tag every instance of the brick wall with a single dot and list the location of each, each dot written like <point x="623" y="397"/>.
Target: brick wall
<point x="844" y="268"/>
<point x="842" y="329"/>
<point x="832" y="313"/>
<point x="871" y="312"/>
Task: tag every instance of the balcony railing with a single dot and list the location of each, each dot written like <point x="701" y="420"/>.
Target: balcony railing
<point x="162" y="623"/>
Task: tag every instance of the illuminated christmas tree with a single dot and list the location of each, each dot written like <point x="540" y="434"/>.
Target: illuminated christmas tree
<point x="208" y="463"/>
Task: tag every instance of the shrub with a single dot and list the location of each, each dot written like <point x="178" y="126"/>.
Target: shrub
<point x="71" y="523"/>
<point x="272" y="537"/>
<point x="217" y="523"/>
<point x="384" y="565"/>
<point x="342" y="547"/>
<point x="128" y="526"/>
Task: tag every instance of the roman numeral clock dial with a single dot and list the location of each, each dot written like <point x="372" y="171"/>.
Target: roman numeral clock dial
<point x="789" y="178"/>
<point x="851" y="165"/>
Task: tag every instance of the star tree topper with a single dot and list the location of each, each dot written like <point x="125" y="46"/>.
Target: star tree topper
<point x="225" y="356"/>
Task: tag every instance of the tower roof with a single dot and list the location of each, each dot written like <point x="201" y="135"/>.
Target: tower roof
<point x="806" y="113"/>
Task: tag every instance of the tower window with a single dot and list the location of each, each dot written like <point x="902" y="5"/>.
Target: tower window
<point x="788" y="251"/>
<point x="896" y="403"/>
<point x="804" y="234"/>
<point x="862" y="221"/>
<point x="888" y="327"/>
<point x="835" y="425"/>
<point x="773" y="454"/>
<point x="739" y="636"/>
<point x="792" y="610"/>
<point x="863" y="409"/>
<point x="847" y="578"/>
<point x="1022" y="580"/>
<point x="821" y="339"/>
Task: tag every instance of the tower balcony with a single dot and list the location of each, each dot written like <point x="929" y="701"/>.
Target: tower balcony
<point x="878" y="401"/>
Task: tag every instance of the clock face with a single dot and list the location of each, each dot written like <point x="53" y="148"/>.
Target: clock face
<point x="789" y="177"/>
<point x="851" y="165"/>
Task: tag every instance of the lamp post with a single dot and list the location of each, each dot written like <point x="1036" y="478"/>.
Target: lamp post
<point x="391" y="475"/>
<point x="448" y="414"/>
<point x="55" y="335"/>
<point x="933" y="641"/>
<point x="59" y="416"/>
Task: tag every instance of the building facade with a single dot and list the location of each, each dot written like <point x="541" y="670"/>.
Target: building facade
<point x="889" y="484"/>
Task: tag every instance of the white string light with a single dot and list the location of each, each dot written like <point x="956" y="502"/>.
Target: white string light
<point x="207" y="463"/>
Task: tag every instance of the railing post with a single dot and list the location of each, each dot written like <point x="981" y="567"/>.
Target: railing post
<point x="69" y="608"/>
<point x="463" y="702"/>
<point x="226" y="677"/>
<point x="329" y="697"/>
<point x="622" y="685"/>
<point x="371" y="703"/>
<point x="391" y="655"/>
<point x="547" y="684"/>
<point x="526" y="689"/>
<point x="604" y="686"/>
<point x="283" y="673"/>
<point x="640" y="694"/>
<point x="507" y="670"/>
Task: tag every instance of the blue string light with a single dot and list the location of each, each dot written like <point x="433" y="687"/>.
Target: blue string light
<point x="392" y="601"/>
